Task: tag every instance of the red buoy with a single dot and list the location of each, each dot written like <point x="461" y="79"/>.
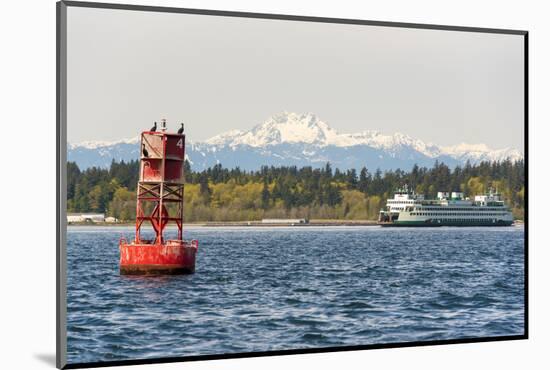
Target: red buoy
<point x="160" y="195"/>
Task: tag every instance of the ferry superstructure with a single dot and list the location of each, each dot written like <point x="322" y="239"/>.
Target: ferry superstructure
<point x="410" y="209"/>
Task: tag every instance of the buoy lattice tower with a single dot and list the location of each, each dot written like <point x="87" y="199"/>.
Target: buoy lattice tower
<point x="160" y="201"/>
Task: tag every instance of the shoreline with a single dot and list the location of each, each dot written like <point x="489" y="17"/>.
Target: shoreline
<point x="242" y="223"/>
<point x="314" y="223"/>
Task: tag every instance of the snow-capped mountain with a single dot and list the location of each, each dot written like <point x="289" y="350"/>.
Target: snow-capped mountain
<point x="282" y="128"/>
<point x="301" y="140"/>
<point x="291" y="128"/>
<point x="481" y="152"/>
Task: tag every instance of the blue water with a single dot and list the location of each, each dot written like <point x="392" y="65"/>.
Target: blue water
<point x="258" y="289"/>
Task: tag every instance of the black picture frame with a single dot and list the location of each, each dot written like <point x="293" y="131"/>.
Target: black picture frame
<point x="61" y="175"/>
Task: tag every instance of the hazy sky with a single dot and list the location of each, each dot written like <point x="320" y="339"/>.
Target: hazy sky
<point x="127" y="69"/>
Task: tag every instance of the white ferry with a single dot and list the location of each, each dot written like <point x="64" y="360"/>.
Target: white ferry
<point x="410" y="209"/>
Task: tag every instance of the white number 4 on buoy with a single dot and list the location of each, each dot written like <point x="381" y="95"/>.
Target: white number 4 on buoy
<point x="180" y="143"/>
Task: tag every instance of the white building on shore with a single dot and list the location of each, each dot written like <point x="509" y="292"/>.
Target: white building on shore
<point x="291" y="221"/>
<point x="85" y="217"/>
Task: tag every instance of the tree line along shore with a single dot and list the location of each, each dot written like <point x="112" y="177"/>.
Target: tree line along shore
<point x="219" y="194"/>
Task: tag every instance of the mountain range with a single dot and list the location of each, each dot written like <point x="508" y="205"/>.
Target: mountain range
<point x="301" y="140"/>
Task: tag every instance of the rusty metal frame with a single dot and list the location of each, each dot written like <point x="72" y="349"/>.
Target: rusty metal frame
<point x="159" y="193"/>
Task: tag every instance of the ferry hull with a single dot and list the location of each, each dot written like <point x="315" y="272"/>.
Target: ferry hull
<point x="443" y="223"/>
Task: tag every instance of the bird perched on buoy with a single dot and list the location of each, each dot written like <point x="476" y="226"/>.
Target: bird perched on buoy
<point x="154" y="128"/>
<point x="145" y="152"/>
<point x="180" y="131"/>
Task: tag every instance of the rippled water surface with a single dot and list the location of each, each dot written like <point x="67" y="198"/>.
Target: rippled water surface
<point x="258" y="289"/>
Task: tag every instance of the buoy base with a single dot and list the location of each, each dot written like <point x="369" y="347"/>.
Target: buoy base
<point x="172" y="257"/>
<point x="155" y="270"/>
